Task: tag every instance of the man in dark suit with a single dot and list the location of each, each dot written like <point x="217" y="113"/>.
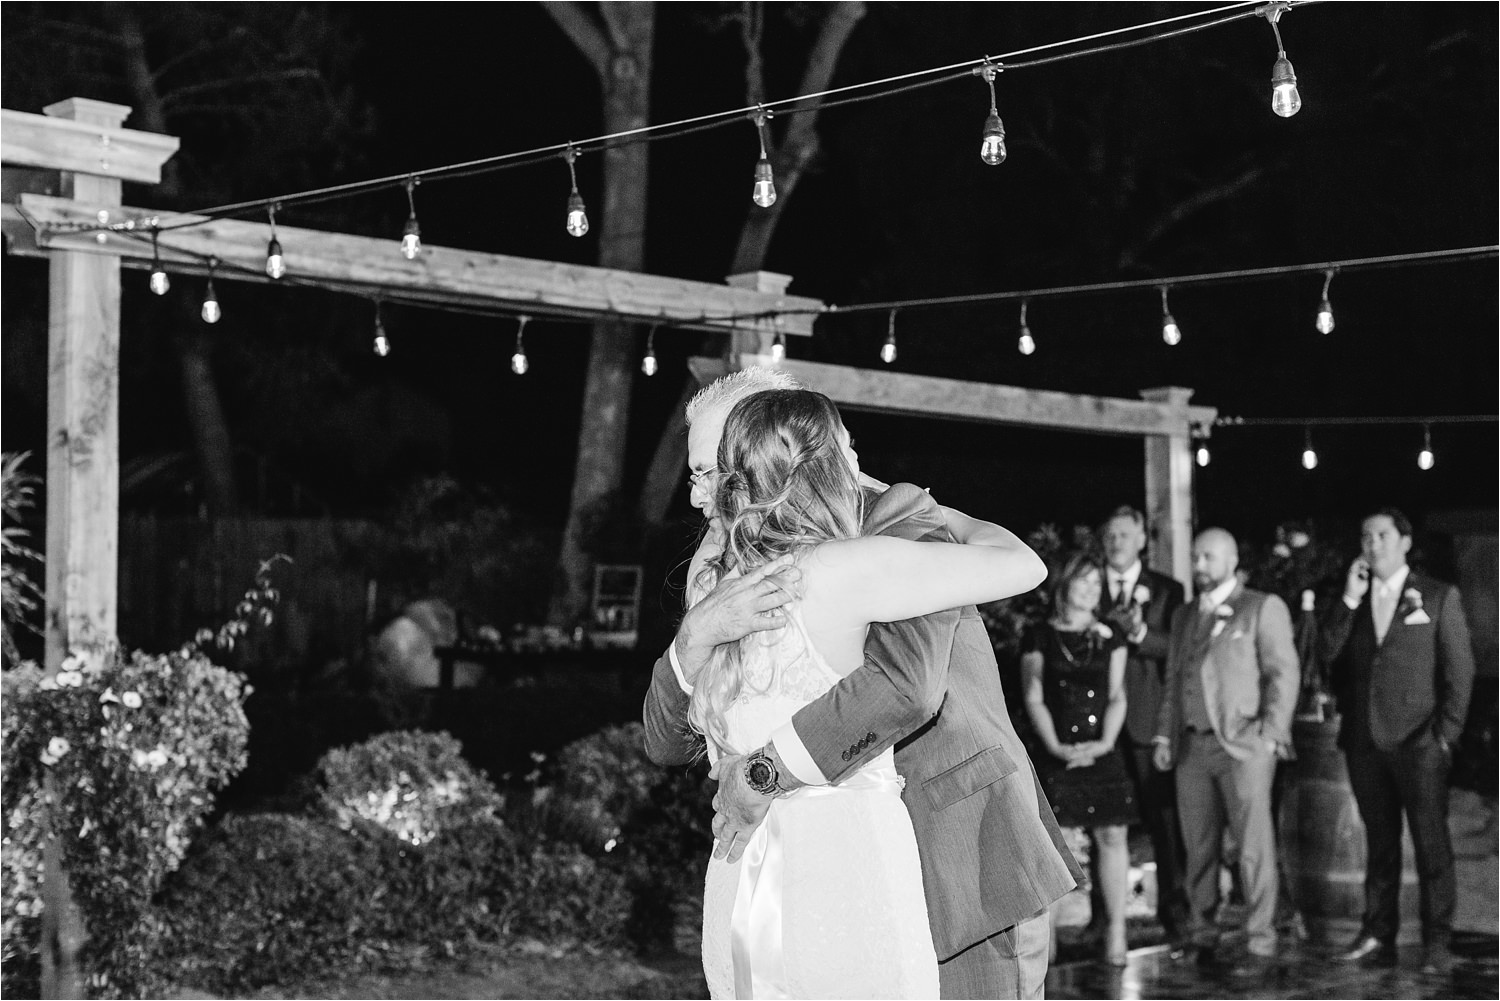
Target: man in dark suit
<point x="1402" y="671"/>
<point x="1139" y="602"/>
<point x="1225" y="718"/>
<point x="992" y="855"/>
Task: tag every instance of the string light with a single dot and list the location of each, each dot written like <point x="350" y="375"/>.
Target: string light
<point x="764" y="194"/>
<point x="382" y="343"/>
<point x="1170" y="332"/>
<point x="1309" y="457"/>
<point x="1325" y="308"/>
<point x="518" y="362"/>
<point x="778" y="345"/>
<point x="888" y="349"/>
<point x="1425" y="458"/>
<point x="578" y="219"/>
<point x="1285" y="100"/>
<point x="992" y="143"/>
<point x="648" y="363"/>
<point x="411" y="236"/>
<point x="1200" y="446"/>
<point x="1025" y="344"/>
<point x="210" y="311"/>
<point x="159" y="280"/>
<point x="275" y="266"/>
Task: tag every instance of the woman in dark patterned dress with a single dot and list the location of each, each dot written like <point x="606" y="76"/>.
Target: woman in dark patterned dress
<point x="1073" y="673"/>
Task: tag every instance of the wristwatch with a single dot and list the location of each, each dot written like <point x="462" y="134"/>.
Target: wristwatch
<point x="762" y="775"/>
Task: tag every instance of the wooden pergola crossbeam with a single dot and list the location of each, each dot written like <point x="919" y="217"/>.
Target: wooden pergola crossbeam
<point x="440" y="276"/>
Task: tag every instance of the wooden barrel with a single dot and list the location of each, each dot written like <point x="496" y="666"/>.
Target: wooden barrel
<point x="1323" y="842"/>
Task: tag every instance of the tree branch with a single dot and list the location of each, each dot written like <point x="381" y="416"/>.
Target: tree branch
<point x="821" y="62"/>
<point x="1185" y="207"/>
<point x="583" y="32"/>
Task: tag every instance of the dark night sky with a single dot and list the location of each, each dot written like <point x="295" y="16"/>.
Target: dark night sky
<point x="1394" y="151"/>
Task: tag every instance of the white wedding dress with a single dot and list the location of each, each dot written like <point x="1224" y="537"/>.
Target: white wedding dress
<point x="826" y="901"/>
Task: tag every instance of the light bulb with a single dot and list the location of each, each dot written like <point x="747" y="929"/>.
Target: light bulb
<point x="382" y="344"/>
<point x="1285" y="100"/>
<point x="888" y="350"/>
<point x="765" y="185"/>
<point x="1026" y="345"/>
<point x="518" y="362"/>
<point x="1325" y="317"/>
<point x="1309" y="458"/>
<point x="275" y="266"/>
<point x="778" y="350"/>
<point x="648" y="363"/>
<point x="411" y="239"/>
<point x="1170" y="332"/>
<point x="1203" y="455"/>
<point x="992" y="146"/>
<point x="1425" y="459"/>
<point x="210" y="311"/>
<point x="159" y="281"/>
<point x="578" y="220"/>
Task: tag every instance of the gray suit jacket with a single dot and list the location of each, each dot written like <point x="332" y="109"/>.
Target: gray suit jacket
<point x="1248" y="665"/>
<point x="991" y="851"/>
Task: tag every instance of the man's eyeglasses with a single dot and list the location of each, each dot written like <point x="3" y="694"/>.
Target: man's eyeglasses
<point x="697" y="477"/>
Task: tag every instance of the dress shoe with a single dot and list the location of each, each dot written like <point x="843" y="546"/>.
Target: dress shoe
<point x="1437" y="959"/>
<point x="1254" y="967"/>
<point x="1369" y="951"/>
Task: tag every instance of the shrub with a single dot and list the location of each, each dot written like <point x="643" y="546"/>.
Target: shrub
<point x="410" y="783"/>
<point x="121" y="755"/>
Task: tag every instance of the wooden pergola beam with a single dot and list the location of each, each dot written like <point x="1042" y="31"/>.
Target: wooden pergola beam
<point x="76" y="135"/>
<point x="440" y="276"/>
<point x="987" y="403"/>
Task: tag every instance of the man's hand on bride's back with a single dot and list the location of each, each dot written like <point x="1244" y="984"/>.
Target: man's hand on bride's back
<point x="735" y="608"/>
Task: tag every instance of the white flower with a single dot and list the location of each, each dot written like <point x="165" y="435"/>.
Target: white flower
<point x="156" y="757"/>
<point x="1141" y="594"/>
<point x="56" y="748"/>
<point x="69" y="679"/>
<point x="131" y="700"/>
<point x="48" y="683"/>
<point x="1412" y="595"/>
<point x="1282" y="549"/>
<point x="72" y="662"/>
<point x="138" y="757"/>
<point x="109" y="696"/>
<point x="1298" y="540"/>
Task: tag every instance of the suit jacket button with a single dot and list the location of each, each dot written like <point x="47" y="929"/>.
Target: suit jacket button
<point x="846" y="755"/>
<point x="870" y="737"/>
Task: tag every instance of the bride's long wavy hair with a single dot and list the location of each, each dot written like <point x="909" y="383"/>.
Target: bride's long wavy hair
<point x="784" y="486"/>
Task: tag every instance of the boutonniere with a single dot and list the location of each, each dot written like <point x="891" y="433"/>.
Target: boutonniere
<point x="1411" y="601"/>
<point x="1141" y="594"/>
<point x="1222" y="615"/>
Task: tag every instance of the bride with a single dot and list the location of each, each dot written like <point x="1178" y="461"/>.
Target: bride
<point x="827" y="899"/>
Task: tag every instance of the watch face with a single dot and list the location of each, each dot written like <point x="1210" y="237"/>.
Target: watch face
<point x="759" y="774"/>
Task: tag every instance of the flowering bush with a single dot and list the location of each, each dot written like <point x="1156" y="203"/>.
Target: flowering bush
<point x="412" y="784"/>
<point x="122" y="754"/>
<point x="19" y="595"/>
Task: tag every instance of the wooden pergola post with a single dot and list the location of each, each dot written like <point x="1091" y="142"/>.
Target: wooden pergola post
<point x="1169" y="487"/>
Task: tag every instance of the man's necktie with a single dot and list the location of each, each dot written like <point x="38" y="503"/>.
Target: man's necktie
<point x="1383" y="608"/>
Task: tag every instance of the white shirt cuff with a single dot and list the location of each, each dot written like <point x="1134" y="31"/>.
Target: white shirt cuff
<point x="794" y="755"/>
<point x="1353" y="606"/>
<point x="677" y="668"/>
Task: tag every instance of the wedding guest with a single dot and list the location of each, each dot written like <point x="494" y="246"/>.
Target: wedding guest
<point x="1073" y="673"/>
<point x="1403" y="670"/>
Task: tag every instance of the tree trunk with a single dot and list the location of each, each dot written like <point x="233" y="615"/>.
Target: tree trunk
<point x="622" y="55"/>
<point x="789" y="159"/>
<point x="205" y="414"/>
<point x="63" y="931"/>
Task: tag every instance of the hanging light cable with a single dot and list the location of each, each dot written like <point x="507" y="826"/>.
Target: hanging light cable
<point x="648" y="362"/>
<point x="159" y="280"/>
<point x="411" y="236"/>
<point x="888" y="349"/>
<point x="275" y="266"/>
<point x="1309" y="457"/>
<point x="992" y="143"/>
<point x="518" y="362"/>
<point x="1285" y="100"/>
<point x="1425" y="459"/>
<point x="1325" y="308"/>
<point x="764" y="194"/>
<point x="578" y="219"/>
<point x="1170" y="332"/>
<point x="1025" y="344"/>
<point x="210" y="311"/>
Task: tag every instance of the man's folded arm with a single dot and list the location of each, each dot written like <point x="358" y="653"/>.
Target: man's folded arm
<point x="898" y="689"/>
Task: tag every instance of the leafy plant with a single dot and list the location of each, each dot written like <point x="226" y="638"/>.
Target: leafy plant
<point x="19" y="595"/>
